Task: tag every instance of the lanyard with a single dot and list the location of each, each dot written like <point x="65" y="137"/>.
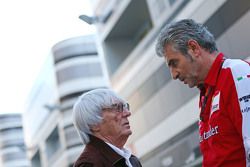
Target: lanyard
<point x="204" y="102"/>
<point x="204" y="98"/>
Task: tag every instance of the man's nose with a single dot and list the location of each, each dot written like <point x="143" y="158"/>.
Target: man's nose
<point x="174" y="73"/>
<point x="126" y="113"/>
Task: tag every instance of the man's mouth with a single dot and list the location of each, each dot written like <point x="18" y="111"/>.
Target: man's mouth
<point x="126" y="124"/>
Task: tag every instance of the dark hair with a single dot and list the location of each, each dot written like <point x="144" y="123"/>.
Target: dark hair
<point x="179" y="33"/>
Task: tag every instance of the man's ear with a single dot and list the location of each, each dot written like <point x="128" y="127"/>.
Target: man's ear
<point x="194" y="48"/>
<point x="95" y="128"/>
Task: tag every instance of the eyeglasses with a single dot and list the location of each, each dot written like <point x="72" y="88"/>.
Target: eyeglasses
<point x="119" y="107"/>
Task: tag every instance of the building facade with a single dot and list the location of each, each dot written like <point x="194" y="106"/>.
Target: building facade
<point x="164" y="112"/>
<point x="41" y="118"/>
<point x="78" y="69"/>
<point x="73" y="68"/>
<point x="12" y="146"/>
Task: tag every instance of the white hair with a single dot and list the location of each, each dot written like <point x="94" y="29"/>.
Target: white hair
<point x="87" y="110"/>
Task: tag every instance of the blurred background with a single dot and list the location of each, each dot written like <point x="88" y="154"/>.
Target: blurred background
<point x="53" y="51"/>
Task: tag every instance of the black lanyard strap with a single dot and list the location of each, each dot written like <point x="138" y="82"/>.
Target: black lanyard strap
<point x="204" y="98"/>
<point x="204" y="102"/>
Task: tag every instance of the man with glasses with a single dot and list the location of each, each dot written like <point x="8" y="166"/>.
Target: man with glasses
<point x="101" y="119"/>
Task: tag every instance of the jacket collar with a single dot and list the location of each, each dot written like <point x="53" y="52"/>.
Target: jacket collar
<point x="213" y="73"/>
<point x="106" y="150"/>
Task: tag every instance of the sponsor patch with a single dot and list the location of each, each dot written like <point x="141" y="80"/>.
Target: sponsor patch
<point x="245" y="110"/>
<point x="215" y="103"/>
<point x="211" y="132"/>
<point x="245" y="98"/>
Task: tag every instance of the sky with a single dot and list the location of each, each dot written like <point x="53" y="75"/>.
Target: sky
<point x="28" y="30"/>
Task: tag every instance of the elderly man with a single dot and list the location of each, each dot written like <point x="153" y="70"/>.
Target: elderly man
<point x="192" y="56"/>
<point x="101" y="119"/>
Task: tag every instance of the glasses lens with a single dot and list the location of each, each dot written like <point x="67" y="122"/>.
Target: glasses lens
<point x="120" y="107"/>
<point x="126" y="106"/>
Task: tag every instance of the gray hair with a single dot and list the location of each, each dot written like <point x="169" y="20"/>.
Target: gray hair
<point x="87" y="110"/>
<point x="179" y="33"/>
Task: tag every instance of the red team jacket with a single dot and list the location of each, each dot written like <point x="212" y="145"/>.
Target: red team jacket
<point x="225" y="118"/>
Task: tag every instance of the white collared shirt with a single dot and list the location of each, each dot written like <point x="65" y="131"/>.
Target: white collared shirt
<point x="123" y="152"/>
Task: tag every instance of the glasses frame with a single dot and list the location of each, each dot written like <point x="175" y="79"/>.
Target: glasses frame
<point x="118" y="107"/>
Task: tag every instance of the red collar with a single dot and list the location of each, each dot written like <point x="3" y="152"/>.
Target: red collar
<point x="213" y="73"/>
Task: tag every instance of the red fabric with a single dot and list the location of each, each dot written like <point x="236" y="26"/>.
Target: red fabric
<point x="221" y="140"/>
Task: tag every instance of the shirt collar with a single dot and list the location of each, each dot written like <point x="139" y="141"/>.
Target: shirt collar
<point x="213" y="73"/>
<point x="123" y="152"/>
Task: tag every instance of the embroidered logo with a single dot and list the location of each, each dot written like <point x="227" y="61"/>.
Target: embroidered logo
<point x="215" y="102"/>
<point x="245" y="98"/>
<point x="243" y="77"/>
<point x="245" y="110"/>
<point x="211" y="132"/>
